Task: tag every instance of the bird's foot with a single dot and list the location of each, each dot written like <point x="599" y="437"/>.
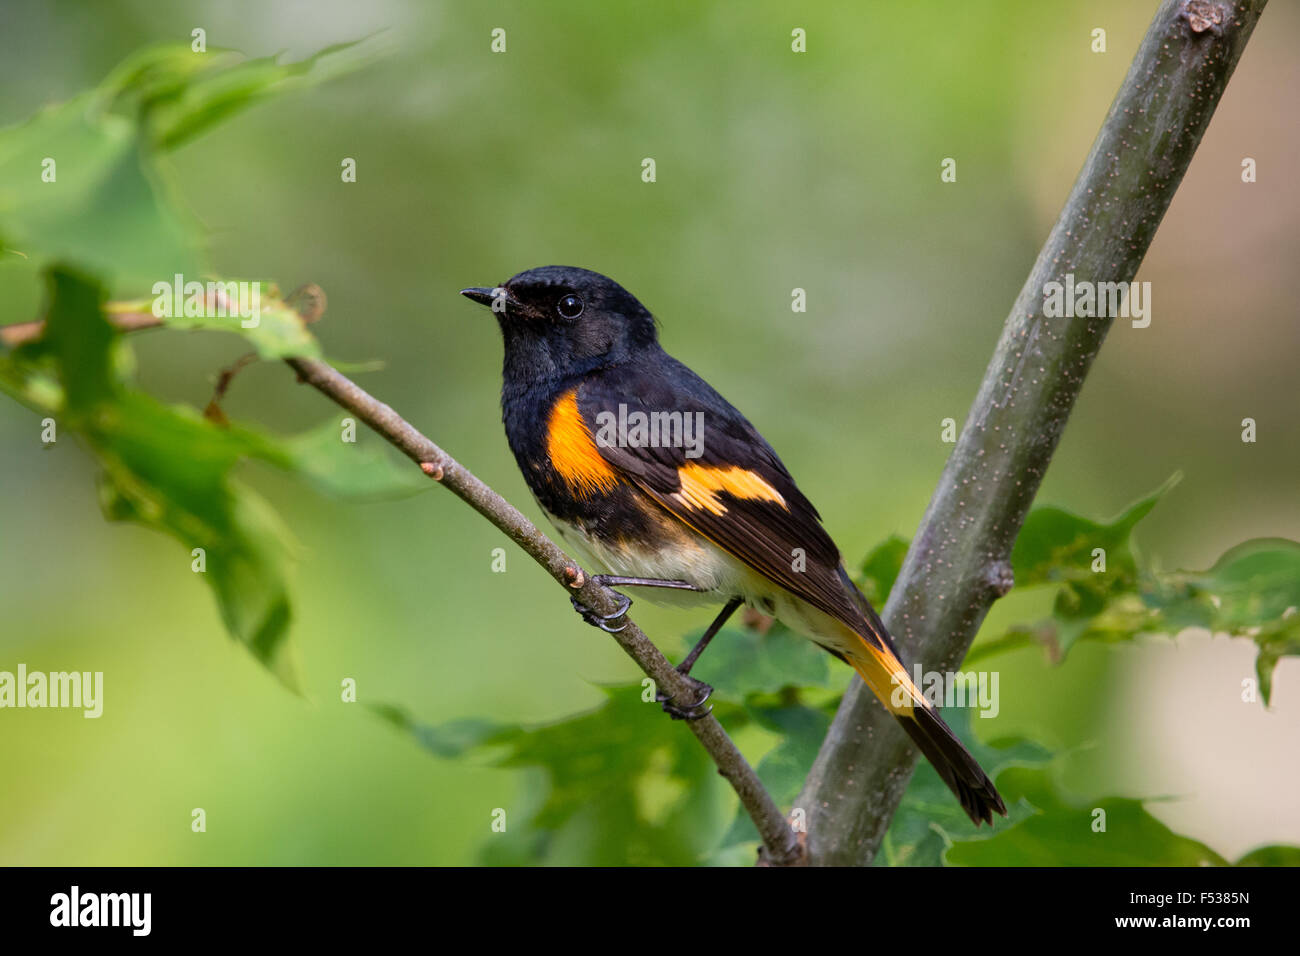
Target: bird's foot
<point x="700" y="690"/>
<point x="603" y="621"/>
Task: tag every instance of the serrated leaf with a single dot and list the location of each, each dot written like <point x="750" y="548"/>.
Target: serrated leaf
<point x="1056" y="544"/>
<point x="1253" y="591"/>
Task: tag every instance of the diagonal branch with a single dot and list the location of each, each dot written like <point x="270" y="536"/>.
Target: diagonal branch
<point x="959" y="562"/>
<point x="780" y="846"/>
<point x="779" y="842"/>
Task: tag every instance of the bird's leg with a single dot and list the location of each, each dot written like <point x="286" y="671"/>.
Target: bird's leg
<point x="697" y="710"/>
<point x="723" y="616"/>
<point x="614" y="581"/>
<point x="605" y="621"/>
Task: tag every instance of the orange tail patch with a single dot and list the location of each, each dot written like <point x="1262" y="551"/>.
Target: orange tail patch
<point x="888" y="679"/>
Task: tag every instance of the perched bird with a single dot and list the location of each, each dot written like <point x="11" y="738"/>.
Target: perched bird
<point x="650" y="474"/>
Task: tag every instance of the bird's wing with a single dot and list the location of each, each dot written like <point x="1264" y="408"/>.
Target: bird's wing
<point x="730" y="486"/>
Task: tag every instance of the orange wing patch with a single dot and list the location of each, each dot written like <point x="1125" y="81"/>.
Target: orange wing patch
<point x="700" y="485"/>
<point x="572" y="451"/>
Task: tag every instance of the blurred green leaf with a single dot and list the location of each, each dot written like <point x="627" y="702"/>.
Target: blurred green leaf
<point x="168" y="468"/>
<point x="109" y="208"/>
<point x="1062" y="833"/>
<point x="274" y="329"/>
<point x="179" y="94"/>
<point x="742" y="661"/>
<point x="453" y="739"/>
<point x="1253" y="590"/>
<point x="617" y="786"/>
<point x="783" y="768"/>
<point x="1090" y="562"/>
<point x="929" y="820"/>
<point x="879" y="570"/>
<point x="1271" y="856"/>
<point x="362" y="469"/>
<point x="1044" y="827"/>
<point x="1057" y="545"/>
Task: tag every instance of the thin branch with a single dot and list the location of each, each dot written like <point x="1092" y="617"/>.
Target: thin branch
<point x="20" y="333"/>
<point x="779" y="841"/>
<point x="959" y="562"/>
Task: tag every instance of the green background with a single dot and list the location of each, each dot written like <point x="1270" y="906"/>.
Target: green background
<point x="775" y="171"/>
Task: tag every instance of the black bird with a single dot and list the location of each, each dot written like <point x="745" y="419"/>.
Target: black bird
<point x="653" y="476"/>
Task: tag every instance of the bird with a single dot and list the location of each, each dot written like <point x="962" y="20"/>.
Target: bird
<point x="650" y="474"/>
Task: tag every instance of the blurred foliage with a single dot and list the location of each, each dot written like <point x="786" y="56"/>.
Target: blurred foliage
<point x="164" y="467"/>
<point x="611" y="761"/>
<point x="1103" y="594"/>
<point x="120" y="219"/>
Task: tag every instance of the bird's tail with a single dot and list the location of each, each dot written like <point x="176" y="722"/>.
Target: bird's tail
<point x="880" y="668"/>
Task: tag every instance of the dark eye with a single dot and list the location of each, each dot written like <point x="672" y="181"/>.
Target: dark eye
<point x="569" y="306"/>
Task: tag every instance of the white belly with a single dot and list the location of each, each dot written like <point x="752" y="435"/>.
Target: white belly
<point x="717" y="574"/>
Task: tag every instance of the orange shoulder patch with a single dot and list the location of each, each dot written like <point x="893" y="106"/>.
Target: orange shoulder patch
<point x="700" y="485"/>
<point x="572" y="450"/>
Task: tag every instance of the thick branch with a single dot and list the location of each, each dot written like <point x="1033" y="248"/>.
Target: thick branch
<point x="959" y="562"/>
<point x="778" y="839"/>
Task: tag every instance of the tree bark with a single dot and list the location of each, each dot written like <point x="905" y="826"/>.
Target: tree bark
<point x="959" y="562"/>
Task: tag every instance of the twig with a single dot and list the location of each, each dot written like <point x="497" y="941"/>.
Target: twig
<point x="959" y="562"/>
<point x="780" y="844"/>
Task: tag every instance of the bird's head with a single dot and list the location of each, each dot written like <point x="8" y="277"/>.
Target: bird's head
<point x="560" y="320"/>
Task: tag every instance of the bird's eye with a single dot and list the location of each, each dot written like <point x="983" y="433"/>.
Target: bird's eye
<point x="569" y="306"/>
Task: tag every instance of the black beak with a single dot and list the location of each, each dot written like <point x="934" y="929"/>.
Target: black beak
<point x="479" y="295"/>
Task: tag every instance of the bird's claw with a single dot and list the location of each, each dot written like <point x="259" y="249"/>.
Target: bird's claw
<point x="603" y="621"/>
<point x="694" y="711"/>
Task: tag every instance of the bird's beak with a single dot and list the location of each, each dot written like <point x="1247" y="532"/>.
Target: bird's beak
<point x="480" y="295"/>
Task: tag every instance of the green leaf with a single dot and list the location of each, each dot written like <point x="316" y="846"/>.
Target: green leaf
<point x="1062" y="832"/>
<point x="1253" y="590"/>
<point x="1061" y="548"/>
<point x="109" y="208"/>
<point x="168" y="468"/>
<point x="179" y="94"/>
<point x="929" y="820"/>
<point x="451" y="740"/>
<point x="1044" y="826"/>
<point x="880" y="569"/>
<point x="252" y="310"/>
<point x="619" y="785"/>
<point x="1271" y="856"/>
<point x="362" y="469"/>
<point x="784" y="768"/>
<point x="743" y="661"/>
<point x="1056" y="545"/>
